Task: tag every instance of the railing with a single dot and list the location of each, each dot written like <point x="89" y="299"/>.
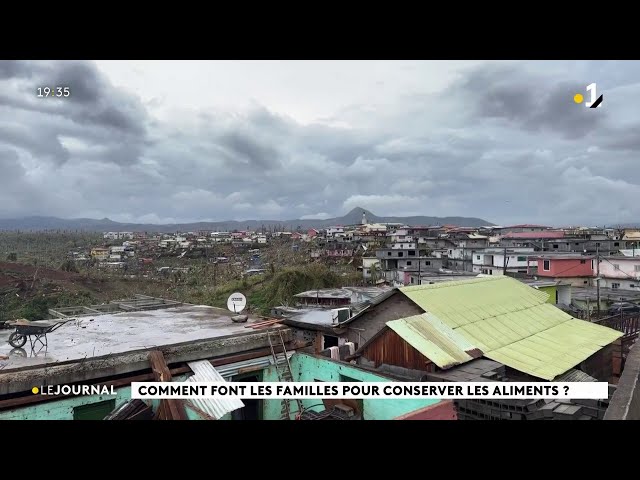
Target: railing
<point x="629" y="325"/>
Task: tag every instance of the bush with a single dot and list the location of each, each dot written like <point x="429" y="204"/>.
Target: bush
<point x="12" y="257"/>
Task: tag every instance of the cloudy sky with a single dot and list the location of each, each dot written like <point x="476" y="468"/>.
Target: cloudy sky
<point x="179" y="141"/>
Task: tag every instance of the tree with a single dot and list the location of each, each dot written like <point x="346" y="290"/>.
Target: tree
<point x="69" y="266"/>
<point x="373" y="269"/>
<point x="12" y="257"/>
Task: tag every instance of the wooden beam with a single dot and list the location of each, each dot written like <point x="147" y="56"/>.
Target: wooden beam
<point x="173" y="408"/>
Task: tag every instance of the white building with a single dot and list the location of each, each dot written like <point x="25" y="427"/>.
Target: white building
<point x="491" y="261"/>
<point x="262" y="239"/>
<point x="335" y="231"/>
<point x="620" y="273"/>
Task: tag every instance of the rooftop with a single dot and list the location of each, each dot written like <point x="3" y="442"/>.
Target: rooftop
<point x="547" y="234"/>
<point x="111" y="334"/>
<point x="502" y="319"/>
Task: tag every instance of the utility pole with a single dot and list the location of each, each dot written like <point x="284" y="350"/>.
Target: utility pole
<point x="504" y="262"/>
<point x="598" y="279"/>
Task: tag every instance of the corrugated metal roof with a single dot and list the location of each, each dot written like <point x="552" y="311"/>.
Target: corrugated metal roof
<point x="434" y="339"/>
<point x="215" y="407"/>
<point x="574" y="375"/>
<point x="509" y="322"/>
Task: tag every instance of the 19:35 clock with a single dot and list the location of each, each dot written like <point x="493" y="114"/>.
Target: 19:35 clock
<point x="54" y="92"/>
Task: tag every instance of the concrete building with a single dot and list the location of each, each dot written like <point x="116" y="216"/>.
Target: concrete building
<point x="185" y="343"/>
<point x="573" y="268"/>
<point x="493" y="261"/>
<point x="620" y="272"/>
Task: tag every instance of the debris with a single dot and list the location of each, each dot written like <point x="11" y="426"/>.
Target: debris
<point x="239" y="318"/>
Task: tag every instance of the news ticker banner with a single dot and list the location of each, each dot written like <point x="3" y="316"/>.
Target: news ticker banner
<point x="370" y="390"/>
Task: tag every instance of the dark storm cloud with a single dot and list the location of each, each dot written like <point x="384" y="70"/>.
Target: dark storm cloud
<point x="245" y="149"/>
<point x="504" y="144"/>
<point x="105" y="123"/>
<point x="529" y="101"/>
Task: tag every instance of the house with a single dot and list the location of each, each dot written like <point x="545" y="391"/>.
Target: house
<point x="620" y="272"/>
<point x="371" y="269"/>
<point x="108" y="349"/>
<point x="498" y="318"/>
<point x="573" y="268"/>
<point x="494" y="261"/>
<point x="312" y="232"/>
<point x="100" y="253"/>
<point x="560" y="293"/>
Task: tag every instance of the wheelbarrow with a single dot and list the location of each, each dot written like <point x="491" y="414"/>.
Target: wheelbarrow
<point x="34" y="332"/>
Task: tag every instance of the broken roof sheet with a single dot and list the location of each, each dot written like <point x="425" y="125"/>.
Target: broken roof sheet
<point x="214" y="407"/>
<point x="434" y="339"/>
<point x="508" y="321"/>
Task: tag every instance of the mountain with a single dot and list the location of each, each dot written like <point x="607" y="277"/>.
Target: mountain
<point x="106" y="225"/>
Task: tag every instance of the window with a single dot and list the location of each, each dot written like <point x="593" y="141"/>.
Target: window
<point x="597" y="244"/>
<point x="583" y="261"/>
<point x="329" y="341"/>
<point x="490" y="272"/>
<point x="412" y="253"/>
<point x="388" y="254"/>
<point x="616" y="244"/>
<point x="522" y="259"/>
<point x="477" y="257"/>
<point x="555" y="245"/>
<point x="636" y="268"/>
<point x="585" y="282"/>
<point x="616" y="266"/>
<point x="592" y="264"/>
<point x="577" y="244"/>
<point x="546" y="265"/>
<point x="408" y="262"/>
<point x="94" y="411"/>
<point x="401" y="254"/>
<point x="615" y="285"/>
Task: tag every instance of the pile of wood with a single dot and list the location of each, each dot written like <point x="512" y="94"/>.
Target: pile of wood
<point x="264" y="324"/>
<point x="171" y="408"/>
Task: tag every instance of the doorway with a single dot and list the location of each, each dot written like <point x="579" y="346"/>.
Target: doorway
<point x="252" y="409"/>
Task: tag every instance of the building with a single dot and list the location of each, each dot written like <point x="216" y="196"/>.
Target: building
<point x="560" y="293"/>
<point x="100" y="253"/>
<point x="496" y="261"/>
<point x="337" y="297"/>
<point x="177" y="344"/>
<point x="497" y="318"/>
<point x="371" y="269"/>
<point x="620" y="272"/>
<point x="572" y="268"/>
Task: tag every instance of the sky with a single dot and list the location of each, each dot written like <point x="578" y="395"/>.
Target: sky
<point x="183" y="141"/>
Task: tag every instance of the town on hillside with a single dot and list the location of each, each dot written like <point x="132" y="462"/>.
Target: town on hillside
<point x="294" y="240"/>
<point x="368" y="299"/>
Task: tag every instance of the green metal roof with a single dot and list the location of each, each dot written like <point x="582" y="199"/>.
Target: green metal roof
<point x="434" y="339"/>
<point x="508" y="321"/>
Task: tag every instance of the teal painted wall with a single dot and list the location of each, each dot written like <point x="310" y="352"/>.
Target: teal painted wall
<point x="61" y="409"/>
<point x="307" y="368"/>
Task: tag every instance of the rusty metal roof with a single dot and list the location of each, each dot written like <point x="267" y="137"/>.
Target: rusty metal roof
<point x="506" y="320"/>
<point x="214" y="407"/>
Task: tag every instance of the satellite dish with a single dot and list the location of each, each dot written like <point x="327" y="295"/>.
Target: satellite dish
<point x="236" y="302"/>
